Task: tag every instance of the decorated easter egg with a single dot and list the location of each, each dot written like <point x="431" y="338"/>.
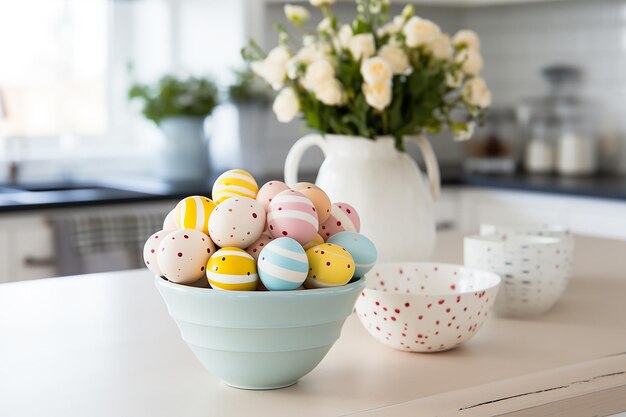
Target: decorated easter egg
<point x="318" y="197"/>
<point x="292" y="215"/>
<point x="257" y="246"/>
<point x="330" y="265"/>
<point x="232" y="269"/>
<point x="150" y="251"/>
<point x="183" y="254"/>
<point x="170" y="221"/>
<point x="237" y="221"/>
<point x="269" y="190"/>
<point x="283" y="265"/>
<point x="343" y="217"/>
<point x="193" y="213"/>
<point x="234" y="183"/>
<point x="360" y="247"/>
<point x="314" y="242"/>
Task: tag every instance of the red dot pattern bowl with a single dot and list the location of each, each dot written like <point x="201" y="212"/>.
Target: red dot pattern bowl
<point x="425" y="307"/>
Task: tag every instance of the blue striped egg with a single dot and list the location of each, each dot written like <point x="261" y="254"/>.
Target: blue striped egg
<point x="282" y="264"/>
<point x="361" y="248"/>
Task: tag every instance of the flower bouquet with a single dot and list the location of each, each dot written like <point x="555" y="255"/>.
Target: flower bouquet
<point x="375" y="76"/>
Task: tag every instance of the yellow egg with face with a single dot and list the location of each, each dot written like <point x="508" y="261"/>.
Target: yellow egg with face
<point x="232" y="269"/>
<point x="330" y="265"/>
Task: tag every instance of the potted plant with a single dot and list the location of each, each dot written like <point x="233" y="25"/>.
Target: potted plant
<point x="179" y="107"/>
<point x="369" y="86"/>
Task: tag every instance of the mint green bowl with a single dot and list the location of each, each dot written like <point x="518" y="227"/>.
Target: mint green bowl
<point x="259" y="339"/>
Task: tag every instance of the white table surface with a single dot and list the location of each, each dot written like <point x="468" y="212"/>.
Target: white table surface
<point x="104" y="345"/>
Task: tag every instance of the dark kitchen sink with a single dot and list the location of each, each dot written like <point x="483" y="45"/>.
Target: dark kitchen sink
<point x="61" y="193"/>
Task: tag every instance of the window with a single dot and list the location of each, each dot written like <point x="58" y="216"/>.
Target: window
<point x="53" y="56"/>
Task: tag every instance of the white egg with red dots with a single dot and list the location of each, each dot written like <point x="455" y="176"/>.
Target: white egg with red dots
<point x="237" y="222"/>
<point x="150" y="250"/>
<point x="183" y="254"/>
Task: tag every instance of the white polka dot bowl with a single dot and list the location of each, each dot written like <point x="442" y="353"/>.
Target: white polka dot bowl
<point x="425" y="307"/>
<point x="547" y="230"/>
<point x="259" y="339"/>
<point x="535" y="270"/>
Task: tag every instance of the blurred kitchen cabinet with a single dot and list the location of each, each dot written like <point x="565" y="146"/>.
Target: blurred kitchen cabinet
<point x="28" y="248"/>
<point x="467" y="207"/>
<point x="4" y="259"/>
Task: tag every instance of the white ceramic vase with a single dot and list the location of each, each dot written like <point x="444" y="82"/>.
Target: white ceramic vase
<point x="387" y="188"/>
<point x="185" y="153"/>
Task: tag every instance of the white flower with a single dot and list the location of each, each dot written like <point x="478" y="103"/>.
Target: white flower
<point x="464" y="134"/>
<point x="467" y="38"/>
<point x="330" y="92"/>
<point x="308" y="40"/>
<point x="344" y="35"/>
<point x="396" y="58"/>
<point x="391" y="28"/>
<point x="273" y="69"/>
<point x="362" y="46"/>
<point x="286" y="105"/>
<point x="293" y="66"/>
<point x="377" y="95"/>
<point x="440" y="47"/>
<point x="476" y="93"/>
<point x="471" y="61"/>
<point x="376" y="70"/>
<point x="310" y="53"/>
<point x="454" y="79"/>
<point x="325" y="26"/>
<point x="418" y="31"/>
<point x="320" y="3"/>
<point x="297" y="15"/>
<point x="317" y="73"/>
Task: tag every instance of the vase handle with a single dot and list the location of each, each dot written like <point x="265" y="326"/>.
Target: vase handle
<point x="432" y="167"/>
<point x="292" y="162"/>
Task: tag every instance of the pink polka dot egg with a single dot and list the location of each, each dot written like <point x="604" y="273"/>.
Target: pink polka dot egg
<point x="426" y="307"/>
<point x="268" y="191"/>
<point x="150" y="250"/>
<point x="237" y="222"/>
<point x="182" y="255"/>
<point x="257" y="246"/>
<point x="343" y="217"/>
<point x="293" y="215"/>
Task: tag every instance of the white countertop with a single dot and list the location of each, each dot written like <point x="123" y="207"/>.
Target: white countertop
<point x="104" y="345"/>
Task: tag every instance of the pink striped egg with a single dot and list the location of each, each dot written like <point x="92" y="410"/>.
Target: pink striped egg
<point x="343" y="218"/>
<point x="293" y="215"/>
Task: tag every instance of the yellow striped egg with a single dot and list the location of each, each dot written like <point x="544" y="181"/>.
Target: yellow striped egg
<point x="232" y="269"/>
<point x="329" y="266"/>
<point x="235" y="182"/>
<point x="193" y="213"/>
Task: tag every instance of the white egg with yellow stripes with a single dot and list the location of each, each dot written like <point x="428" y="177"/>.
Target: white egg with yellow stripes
<point x="193" y="213"/>
<point x="233" y="183"/>
<point x="232" y="269"/>
<point x="283" y="265"/>
<point x="238" y="221"/>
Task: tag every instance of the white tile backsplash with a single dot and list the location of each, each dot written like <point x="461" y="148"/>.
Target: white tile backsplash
<point x="519" y="40"/>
